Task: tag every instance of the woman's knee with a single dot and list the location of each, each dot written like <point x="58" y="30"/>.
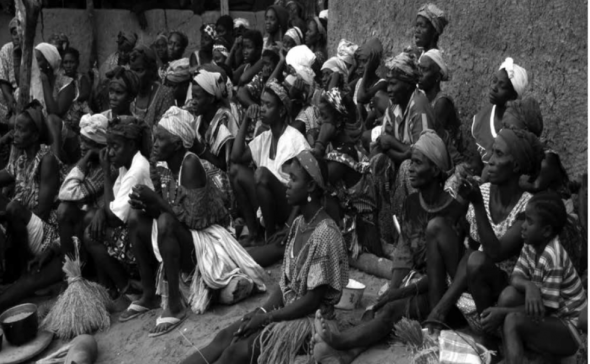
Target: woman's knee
<point x="67" y="212"/>
<point x="476" y="264"/>
<point x="15" y="211"/>
<point x="435" y="227"/>
<point x="263" y="176"/>
<point x="510" y="297"/>
<point x="167" y="224"/>
<point x="514" y="321"/>
<point x="136" y="220"/>
<point x="235" y="353"/>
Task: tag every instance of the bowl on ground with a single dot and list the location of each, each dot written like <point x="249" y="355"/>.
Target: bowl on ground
<point x="20" y="324"/>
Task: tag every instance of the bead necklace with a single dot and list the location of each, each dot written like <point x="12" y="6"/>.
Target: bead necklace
<point x="304" y="227"/>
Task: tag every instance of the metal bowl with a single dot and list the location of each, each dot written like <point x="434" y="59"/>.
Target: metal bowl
<point x="22" y="330"/>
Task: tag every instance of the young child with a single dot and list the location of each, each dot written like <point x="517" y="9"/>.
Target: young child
<point x="545" y="296"/>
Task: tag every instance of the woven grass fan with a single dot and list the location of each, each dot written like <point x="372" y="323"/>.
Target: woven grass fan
<point x="82" y="307"/>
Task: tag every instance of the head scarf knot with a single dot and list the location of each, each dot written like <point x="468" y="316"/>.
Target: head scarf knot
<point x="295" y="34"/>
<point x="212" y="83"/>
<point x="525" y="148"/>
<point x="241" y="22"/>
<point x="434" y="148"/>
<point x="312" y="167"/>
<point x="436" y="56"/>
<point x="517" y="75"/>
<point x="346" y="50"/>
<point x="51" y="54"/>
<point x="301" y="58"/>
<point x="94" y="127"/>
<point x="180" y="123"/>
<point x="403" y="67"/>
<point x="334" y="98"/>
<point x="435" y="15"/>
<point x="209" y="29"/>
<point x="280" y="91"/>
<point x="372" y="47"/>
<point x="178" y="71"/>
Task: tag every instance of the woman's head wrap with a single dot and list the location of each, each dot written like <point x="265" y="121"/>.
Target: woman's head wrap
<point x="210" y="30"/>
<point x="35" y="112"/>
<point x="301" y="58"/>
<point x="525" y="148"/>
<point x="436" y="56"/>
<point x="295" y="34"/>
<point x="311" y="165"/>
<point x="282" y="16"/>
<point x="125" y="78"/>
<point x="212" y="82"/>
<point x="178" y="71"/>
<point x="161" y="36"/>
<point x="346" y="50"/>
<point x="323" y="14"/>
<point x="279" y="90"/>
<point x="51" y="54"/>
<point x="320" y="26"/>
<point x="403" y="67"/>
<point x="129" y="37"/>
<point x="528" y="112"/>
<point x="434" y="148"/>
<point x="517" y="75"/>
<point x="180" y="123"/>
<point x="372" y="47"/>
<point x="131" y="128"/>
<point x="335" y="64"/>
<point x="94" y="127"/>
<point x="60" y="40"/>
<point x="334" y="98"/>
<point x="222" y="47"/>
<point x="241" y="22"/>
<point x="14" y="23"/>
<point x="435" y="15"/>
<point x="298" y="4"/>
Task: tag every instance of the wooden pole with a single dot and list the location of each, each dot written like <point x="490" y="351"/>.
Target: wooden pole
<point x="93" y="48"/>
<point x="224" y="7"/>
<point x="29" y="13"/>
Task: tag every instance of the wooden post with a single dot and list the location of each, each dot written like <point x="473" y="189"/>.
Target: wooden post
<point x="29" y="13"/>
<point x="224" y="7"/>
<point x="93" y="45"/>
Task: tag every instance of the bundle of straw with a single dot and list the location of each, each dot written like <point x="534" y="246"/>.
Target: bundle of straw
<point x="424" y="349"/>
<point x="82" y="308"/>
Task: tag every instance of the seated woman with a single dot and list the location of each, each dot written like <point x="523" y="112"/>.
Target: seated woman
<point x="252" y="47"/>
<point x="346" y="52"/>
<point x="368" y="58"/>
<point x="70" y="64"/>
<point x="305" y="115"/>
<point x="220" y="51"/>
<point x="433" y="71"/>
<point x="316" y="38"/>
<point x="430" y="24"/>
<point x="30" y="216"/>
<point x="82" y="189"/>
<point x="407" y="295"/>
<point x="153" y="98"/>
<point x="293" y="37"/>
<point x="540" y="308"/>
<point x="265" y="187"/>
<point x="315" y="270"/>
<point x="495" y="220"/>
<point x="296" y="14"/>
<point x="123" y="88"/>
<point x="106" y="238"/>
<point x="349" y="172"/>
<point x="186" y="219"/>
<point x="208" y="36"/>
<point x="276" y="24"/>
<point x="224" y="27"/>
<point x="177" y="78"/>
<point x="160" y="47"/>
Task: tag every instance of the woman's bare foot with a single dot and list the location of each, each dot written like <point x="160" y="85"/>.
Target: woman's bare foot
<point x="329" y="335"/>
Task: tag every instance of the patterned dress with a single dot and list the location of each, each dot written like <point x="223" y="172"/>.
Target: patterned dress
<point x="162" y="100"/>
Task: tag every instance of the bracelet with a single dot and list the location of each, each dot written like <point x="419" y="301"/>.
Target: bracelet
<point x="262" y="309"/>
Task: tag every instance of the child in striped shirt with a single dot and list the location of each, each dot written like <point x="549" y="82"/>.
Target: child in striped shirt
<point x="545" y="297"/>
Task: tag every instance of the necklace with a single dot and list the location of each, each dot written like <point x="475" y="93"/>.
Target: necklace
<point x="304" y="227"/>
<point x="434" y="209"/>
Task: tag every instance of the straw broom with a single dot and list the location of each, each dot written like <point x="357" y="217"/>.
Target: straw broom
<point x="82" y="307"/>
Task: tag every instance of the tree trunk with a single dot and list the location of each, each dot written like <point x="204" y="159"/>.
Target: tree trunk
<point x="29" y="13"/>
<point x="224" y="7"/>
<point x="93" y="47"/>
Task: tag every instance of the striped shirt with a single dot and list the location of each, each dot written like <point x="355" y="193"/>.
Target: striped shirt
<point x="554" y="274"/>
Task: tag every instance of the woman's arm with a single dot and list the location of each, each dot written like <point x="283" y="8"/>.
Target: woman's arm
<point x="65" y="97"/>
<point x="278" y="71"/>
<point x="85" y="89"/>
<point x="244" y="97"/>
<point x="48" y="188"/>
<point x="304" y="306"/>
<point x="218" y="161"/>
<point x="74" y="187"/>
<point x="241" y="152"/>
<point x="252" y="71"/>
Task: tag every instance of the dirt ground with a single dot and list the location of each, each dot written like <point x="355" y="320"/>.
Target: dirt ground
<point x="127" y="343"/>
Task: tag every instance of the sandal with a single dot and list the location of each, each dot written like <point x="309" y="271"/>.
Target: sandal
<point x="172" y="322"/>
<point x="134" y="310"/>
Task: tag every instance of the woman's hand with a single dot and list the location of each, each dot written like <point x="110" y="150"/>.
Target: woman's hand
<point x="534" y="302"/>
<point x="41" y="260"/>
<point x="252" y="112"/>
<point x="103" y="158"/>
<point x="144" y="198"/>
<point x="254" y="324"/>
<point x="98" y="225"/>
<point x="389" y="296"/>
<point x="469" y="190"/>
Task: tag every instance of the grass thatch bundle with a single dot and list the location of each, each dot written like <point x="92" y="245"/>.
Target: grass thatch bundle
<point x="424" y="349"/>
<point x="82" y="307"/>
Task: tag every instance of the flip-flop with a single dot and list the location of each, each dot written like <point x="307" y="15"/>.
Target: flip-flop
<point x="173" y="323"/>
<point x="134" y="310"/>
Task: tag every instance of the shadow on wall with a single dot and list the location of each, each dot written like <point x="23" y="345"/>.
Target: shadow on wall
<point x="547" y="37"/>
<point x="75" y="24"/>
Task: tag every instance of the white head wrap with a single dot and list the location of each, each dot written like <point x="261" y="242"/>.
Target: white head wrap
<point x="241" y="22"/>
<point x="180" y="123"/>
<point x="346" y="50"/>
<point x="295" y="34"/>
<point x="51" y="54"/>
<point x="221" y="49"/>
<point x="94" y="127"/>
<point x="517" y="75"/>
<point x="335" y="64"/>
<point x="436" y="56"/>
<point x="324" y="14"/>
<point x="301" y="58"/>
<point x="212" y="83"/>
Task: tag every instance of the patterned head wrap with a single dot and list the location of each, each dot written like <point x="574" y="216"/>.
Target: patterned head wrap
<point x="434" y="148"/>
<point x="51" y="54"/>
<point x="241" y="22"/>
<point x="309" y="162"/>
<point x="334" y="98"/>
<point x="528" y="112"/>
<point x="221" y="49"/>
<point x="435" y="15"/>
<point x="127" y="127"/>
<point x="525" y="148"/>
<point x="517" y="75"/>
<point x="212" y="82"/>
<point x="94" y="127"/>
<point x="210" y="30"/>
<point x="301" y="58"/>
<point x="279" y="90"/>
<point x="161" y="36"/>
<point x="178" y="71"/>
<point x="295" y="34"/>
<point x="321" y="28"/>
<point x="14" y="23"/>
<point x="403" y="67"/>
<point x="346" y="50"/>
<point x="335" y="64"/>
<point x="436" y="56"/>
<point x="125" y="78"/>
<point x="180" y="123"/>
<point x="130" y="37"/>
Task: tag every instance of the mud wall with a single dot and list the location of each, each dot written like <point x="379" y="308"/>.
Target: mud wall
<point x="547" y="37"/>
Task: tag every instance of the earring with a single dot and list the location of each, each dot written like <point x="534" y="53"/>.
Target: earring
<point x="308" y="198"/>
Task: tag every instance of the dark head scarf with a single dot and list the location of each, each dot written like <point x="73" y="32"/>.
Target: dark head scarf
<point x="372" y="46"/>
<point x="129" y="37"/>
<point x="34" y="110"/>
<point x="435" y="16"/>
<point x="146" y="55"/>
<point x="403" y="67"/>
<point x="131" y="128"/>
<point x="528" y="112"/>
<point x="126" y="78"/>
<point x="525" y="148"/>
<point x="283" y="17"/>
